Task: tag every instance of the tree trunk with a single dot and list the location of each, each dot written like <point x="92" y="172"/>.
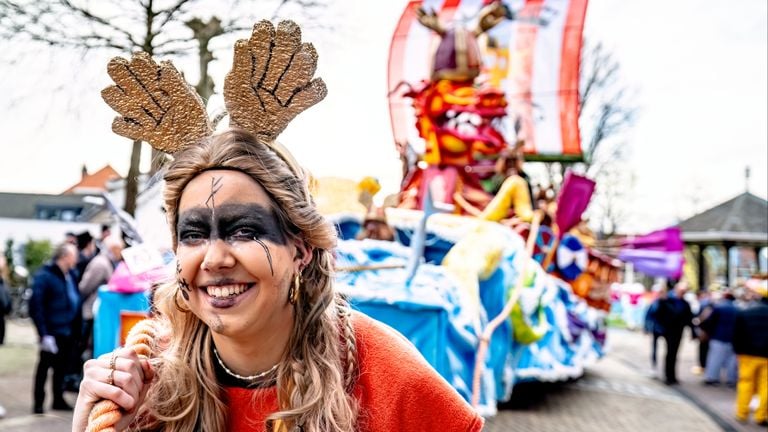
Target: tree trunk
<point x="132" y="181"/>
<point x="158" y="160"/>
<point x="203" y="33"/>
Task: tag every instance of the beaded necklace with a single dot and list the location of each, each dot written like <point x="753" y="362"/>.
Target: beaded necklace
<point x="249" y="378"/>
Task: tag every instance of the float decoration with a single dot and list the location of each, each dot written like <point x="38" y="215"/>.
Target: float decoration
<point x="530" y="56"/>
<point x="455" y="115"/>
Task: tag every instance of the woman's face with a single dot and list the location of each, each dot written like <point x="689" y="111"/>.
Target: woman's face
<point x="235" y="264"/>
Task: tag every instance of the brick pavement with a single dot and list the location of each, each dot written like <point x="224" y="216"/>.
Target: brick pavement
<point x="717" y="402"/>
<point x="17" y="365"/>
<point x="615" y="395"/>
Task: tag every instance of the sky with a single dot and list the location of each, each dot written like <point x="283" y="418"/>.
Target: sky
<point x="698" y="71"/>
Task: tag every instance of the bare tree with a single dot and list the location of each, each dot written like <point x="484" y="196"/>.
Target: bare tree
<point x="606" y="113"/>
<point x="606" y="110"/>
<point x="157" y="27"/>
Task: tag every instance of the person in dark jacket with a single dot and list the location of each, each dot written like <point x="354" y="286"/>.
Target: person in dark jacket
<point x="652" y="325"/>
<point x="86" y="247"/>
<point x="673" y="314"/>
<point x="54" y="305"/>
<point x="6" y="304"/>
<point x="703" y="332"/>
<point x="721" y="356"/>
<point x="750" y="342"/>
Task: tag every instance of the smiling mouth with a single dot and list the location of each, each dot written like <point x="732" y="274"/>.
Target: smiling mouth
<point x="227" y="291"/>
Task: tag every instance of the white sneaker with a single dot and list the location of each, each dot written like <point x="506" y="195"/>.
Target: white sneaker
<point x="2" y="411"/>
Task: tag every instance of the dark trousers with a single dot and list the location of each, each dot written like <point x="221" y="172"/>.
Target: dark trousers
<point x="654" y="342"/>
<point x="86" y="342"/>
<point x="2" y="329"/>
<point x="673" y="344"/>
<point x="703" y="352"/>
<point x="60" y="362"/>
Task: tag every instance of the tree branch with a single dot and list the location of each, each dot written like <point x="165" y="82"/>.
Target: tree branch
<point x="97" y="19"/>
<point x="171" y="12"/>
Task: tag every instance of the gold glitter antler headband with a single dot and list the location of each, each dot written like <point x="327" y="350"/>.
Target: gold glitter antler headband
<point x="155" y="104"/>
<point x="271" y="79"/>
<point x="270" y="83"/>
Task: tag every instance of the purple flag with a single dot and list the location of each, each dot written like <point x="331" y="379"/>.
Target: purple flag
<point x="667" y="240"/>
<point x="654" y="262"/>
<point x="572" y="200"/>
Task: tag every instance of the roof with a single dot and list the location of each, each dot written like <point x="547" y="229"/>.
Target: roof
<point x="94" y="182"/>
<point x="50" y="207"/>
<point x="743" y="219"/>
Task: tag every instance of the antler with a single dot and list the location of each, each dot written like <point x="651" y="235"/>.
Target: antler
<point x="491" y="15"/>
<point x="430" y="20"/>
<point x="271" y="79"/>
<point x="155" y="104"/>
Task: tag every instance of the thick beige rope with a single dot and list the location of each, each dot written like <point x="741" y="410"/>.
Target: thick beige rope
<point x="105" y="414"/>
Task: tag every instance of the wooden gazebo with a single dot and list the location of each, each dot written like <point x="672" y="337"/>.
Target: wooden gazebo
<point x="739" y="222"/>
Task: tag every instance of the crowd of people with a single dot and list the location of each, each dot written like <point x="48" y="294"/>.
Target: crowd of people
<point x="61" y="307"/>
<point x="732" y="335"/>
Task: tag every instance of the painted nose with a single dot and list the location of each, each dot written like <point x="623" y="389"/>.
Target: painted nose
<point x="217" y="257"/>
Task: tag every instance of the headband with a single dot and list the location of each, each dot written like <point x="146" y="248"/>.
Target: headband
<point x="270" y="83"/>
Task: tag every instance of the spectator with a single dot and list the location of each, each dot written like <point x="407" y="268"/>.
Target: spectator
<point x="652" y="325"/>
<point x="5" y="308"/>
<point x="702" y="329"/>
<point x="720" y="325"/>
<point x="750" y="342"/>
<point x="70" y="238"/>
<point x="673" y="314"/>
<point x="53" y="307"/>
<point x="105" y="232"/>
<point x="375" y="226"/>
<point x="97" y="273"/>
<point x="86" y="251"/>
<point x="5" y="298"/>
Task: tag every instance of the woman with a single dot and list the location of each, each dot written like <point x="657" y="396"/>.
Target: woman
<point x="255" y="338"/>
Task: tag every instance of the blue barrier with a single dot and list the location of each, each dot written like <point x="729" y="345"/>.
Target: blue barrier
<point x="106" y="326"/>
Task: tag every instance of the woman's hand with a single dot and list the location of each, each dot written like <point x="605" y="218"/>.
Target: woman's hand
<point x="121" y="377"/>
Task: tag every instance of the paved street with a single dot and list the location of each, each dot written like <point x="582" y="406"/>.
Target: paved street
<point x="617" y="394"/>
<point x="620" y="394"/>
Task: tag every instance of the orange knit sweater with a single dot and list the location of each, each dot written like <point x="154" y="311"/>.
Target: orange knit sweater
<point x="397" y="390"/>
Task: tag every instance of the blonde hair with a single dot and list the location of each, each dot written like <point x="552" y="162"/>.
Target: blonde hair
<point x="315" y="378"/>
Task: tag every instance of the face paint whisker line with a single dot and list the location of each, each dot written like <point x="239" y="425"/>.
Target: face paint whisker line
<point x="182" y="282"/>
<point x="269" y="256"/>
<point x="210" y="202"/>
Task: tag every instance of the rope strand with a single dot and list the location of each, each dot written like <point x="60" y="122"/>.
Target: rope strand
<point x="105" y="414"/>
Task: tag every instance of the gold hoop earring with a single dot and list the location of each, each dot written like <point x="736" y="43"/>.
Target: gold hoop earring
<point x="176" y="301"/>
<point x="293" y="293"/>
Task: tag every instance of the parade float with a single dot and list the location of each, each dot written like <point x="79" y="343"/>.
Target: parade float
<point x="493" y="287"/>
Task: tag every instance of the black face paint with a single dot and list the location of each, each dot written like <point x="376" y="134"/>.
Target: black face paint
<point x="269" y="255"/>
<point x="231" y="223"/>
<point x="182" y="282"/>
<point x="210" y="202"/>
